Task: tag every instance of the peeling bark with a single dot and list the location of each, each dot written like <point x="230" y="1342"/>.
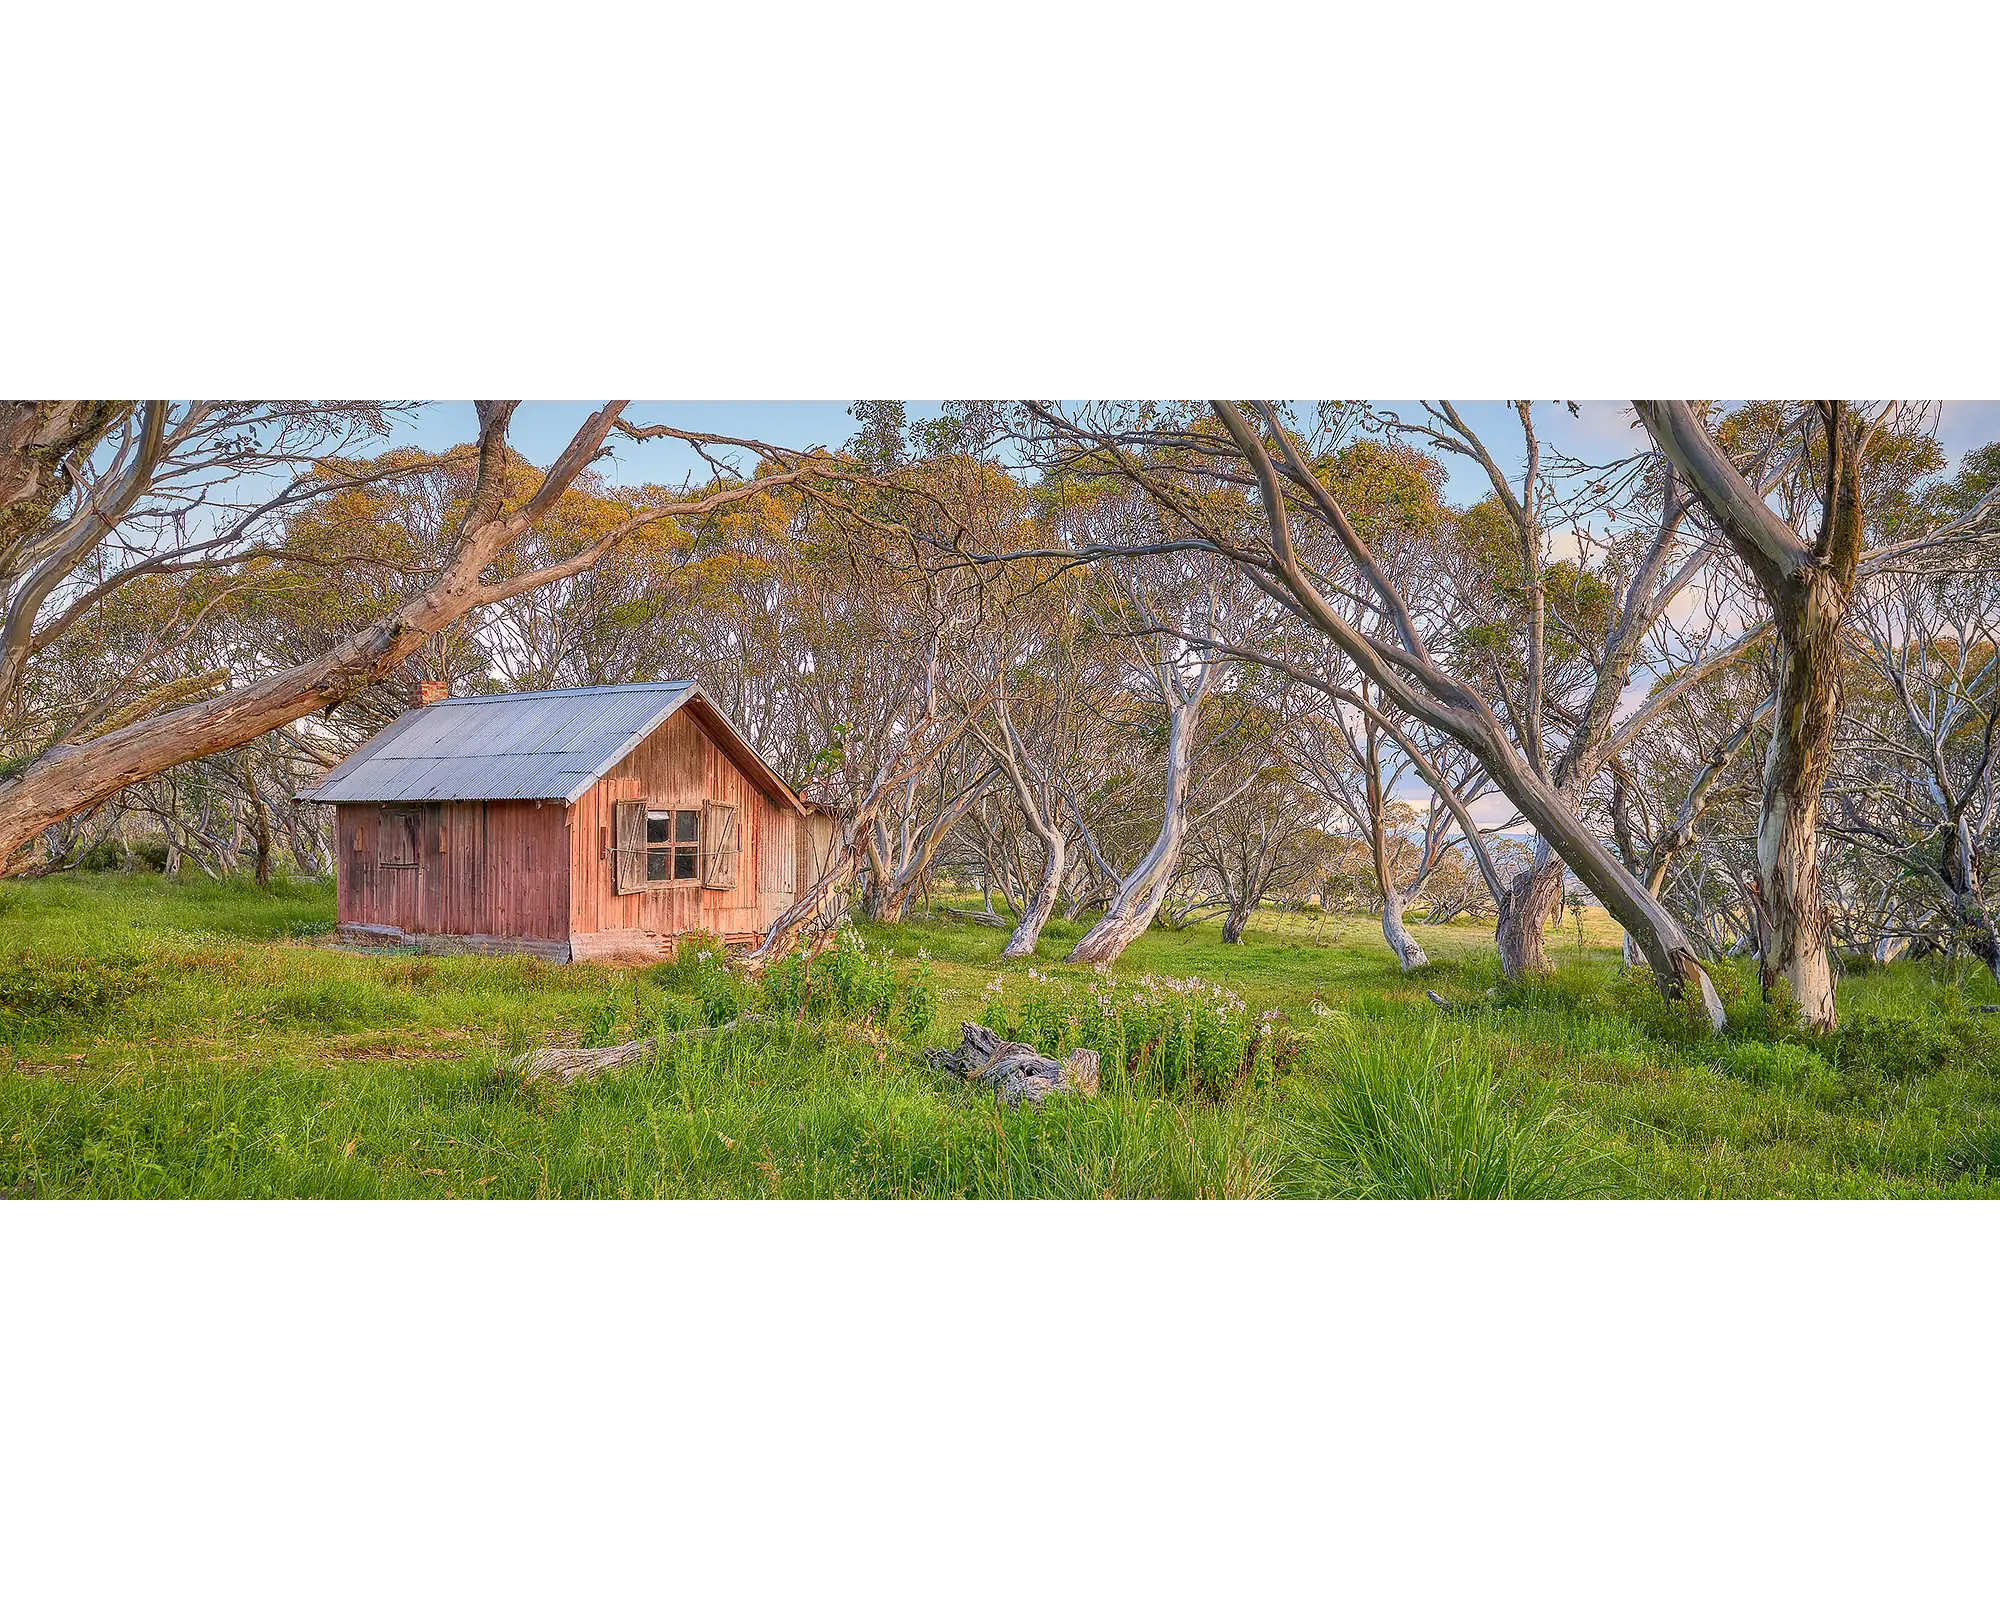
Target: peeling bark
<point x="1810" y="587"/>
<point x="1524" y="915"/>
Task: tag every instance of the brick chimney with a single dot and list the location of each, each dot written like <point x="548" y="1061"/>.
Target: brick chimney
<point x="429" y="693"/>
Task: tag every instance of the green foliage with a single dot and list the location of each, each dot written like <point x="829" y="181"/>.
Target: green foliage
<point x="602" y="1021"/>
<point x="849" y="981"/>
<point x="721" y="995"/>
<point x="917" y="999"/>
<point x="1780" y="1063"/>
<point x="1909" y="1044"/>
<point x="107" y="855"/>
<point x="40" y="989"/>
<point x="1178" y="1038"/>
<point x="1392" y="1123"/>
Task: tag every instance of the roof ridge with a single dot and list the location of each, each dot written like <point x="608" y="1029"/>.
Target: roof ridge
<point x="544" y="694"/>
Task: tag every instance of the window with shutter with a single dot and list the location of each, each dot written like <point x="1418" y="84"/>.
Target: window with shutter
<point x="628" y="846"/>
<point x="720" y="846"/>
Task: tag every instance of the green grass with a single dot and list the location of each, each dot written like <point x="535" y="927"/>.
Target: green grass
<point x="207" y="1039"/>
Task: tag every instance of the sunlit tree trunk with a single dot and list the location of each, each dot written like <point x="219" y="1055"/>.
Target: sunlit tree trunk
<point x="1402" y="943"/>
<point x="1028" y="931"/>
<point x="1409" y="954"/>
<point x="1142" y="891"/>
<point x="1795" y="773"/>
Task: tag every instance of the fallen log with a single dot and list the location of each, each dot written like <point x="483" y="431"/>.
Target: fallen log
<point x="986" y="919"/>
<point x="566" y="1066"/>
<point x="1462" y="1005"/>
<point x="1018" y="1073"/>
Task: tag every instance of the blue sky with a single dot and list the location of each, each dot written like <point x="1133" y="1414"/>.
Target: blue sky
<point x="543" y="427"/>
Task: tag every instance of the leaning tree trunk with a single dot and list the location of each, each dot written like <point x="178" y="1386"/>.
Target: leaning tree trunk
<point x="1028" y="932"/>
<point x="1570" y="842"/>
<point x="1144" y="889"/>
<point x="1409" y="954"/>
<point x="1661" y="939"/>
<point x="1809" y="585"/>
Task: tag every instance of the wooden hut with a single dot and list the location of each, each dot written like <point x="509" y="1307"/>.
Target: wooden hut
<point x="576" y="824"/>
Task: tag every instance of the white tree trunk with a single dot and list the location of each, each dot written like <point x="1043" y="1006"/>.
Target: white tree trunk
<point x="1409" y="954"/>
<point x="1891" y="947"/>
<point x="1028" y="932"/>
<point x="1140" y="894"/>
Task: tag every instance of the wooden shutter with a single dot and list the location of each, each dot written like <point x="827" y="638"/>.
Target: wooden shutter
<point x="628" y="846"/>
<point x="719" y="846"/>
<point x="396" y="835"/>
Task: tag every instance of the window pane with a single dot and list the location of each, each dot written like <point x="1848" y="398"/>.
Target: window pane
<point x="656" y="866"/>
<point x="687" y="826"/>
<point x="684" y="865"/>
<point x="656" y="826"/>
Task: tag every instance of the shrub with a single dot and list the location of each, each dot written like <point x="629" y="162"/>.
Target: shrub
<point x="850" y="981"/>
<point x="602" y="1020"/>
<point x="786" y="985"/>
<point x="49" y="989"/>
<point x="1907" y="1045"/>
<point x="108" y="855"/>
<point x="1781" y="1063"/>
<point x="917" y="1001"/>
<point x="857" y="983"/>
<point x="1391" y="1124"/>
<point x="1976" y="1152"/>
<point x="1181" y="1038"/>
<point x="721" y="993"/>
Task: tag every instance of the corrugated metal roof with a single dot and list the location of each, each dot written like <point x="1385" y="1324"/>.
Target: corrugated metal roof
<point x="550" y="744"/>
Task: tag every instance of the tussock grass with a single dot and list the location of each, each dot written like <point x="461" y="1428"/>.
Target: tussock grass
<point x="202" y="1040"/>
<point x="1389" y="1121"/>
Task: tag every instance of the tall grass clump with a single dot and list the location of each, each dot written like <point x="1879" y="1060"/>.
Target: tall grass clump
<point x="1399" y="1119"/>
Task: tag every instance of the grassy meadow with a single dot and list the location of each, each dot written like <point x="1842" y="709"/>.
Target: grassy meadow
<point x="210" y="1040"/>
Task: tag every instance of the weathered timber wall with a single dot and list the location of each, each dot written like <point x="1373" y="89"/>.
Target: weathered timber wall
<point x="496" y="867"/>
<point x="678" y="766"/>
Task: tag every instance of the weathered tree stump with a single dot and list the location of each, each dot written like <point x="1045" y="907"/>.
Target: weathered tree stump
<point x="1018" y="1073"/>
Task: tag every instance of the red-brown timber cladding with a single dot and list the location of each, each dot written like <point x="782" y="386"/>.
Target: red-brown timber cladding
<point x="522" y="869"/>
<point x="498" y="867"/>
<point x="678" y="766"/>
